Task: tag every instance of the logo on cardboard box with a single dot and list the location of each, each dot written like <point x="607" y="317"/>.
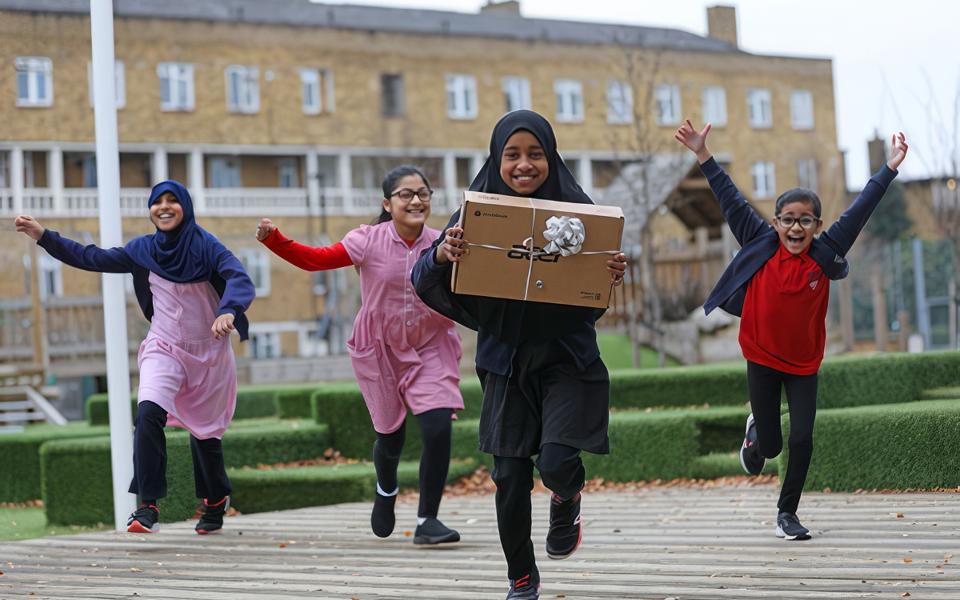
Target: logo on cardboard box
<point x="480" y="213"/>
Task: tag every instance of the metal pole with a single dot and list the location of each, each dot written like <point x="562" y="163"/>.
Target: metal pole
<point x="114" y="301"/>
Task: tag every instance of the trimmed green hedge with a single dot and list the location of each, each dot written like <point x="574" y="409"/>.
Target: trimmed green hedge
<point x="885" y="378"/>
<point x="895" y="446"/>
<point x="20" y="457"/>
<point x="259" y="491"/>
<point x="76" y="474"/>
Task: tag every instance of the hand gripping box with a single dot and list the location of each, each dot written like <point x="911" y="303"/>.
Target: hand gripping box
<point x="537" y="250"/>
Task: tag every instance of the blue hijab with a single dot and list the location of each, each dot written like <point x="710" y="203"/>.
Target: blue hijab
<point x="181" y="255"/>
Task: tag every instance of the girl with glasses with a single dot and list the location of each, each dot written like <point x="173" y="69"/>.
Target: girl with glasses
<point x="404" y="355"/>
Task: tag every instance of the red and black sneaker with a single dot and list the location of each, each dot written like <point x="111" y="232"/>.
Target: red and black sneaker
<point x="566" y="532"/>
<point x="145" y="519"/>
<point x="525" y="588"/>
<point x="211" y="517"/>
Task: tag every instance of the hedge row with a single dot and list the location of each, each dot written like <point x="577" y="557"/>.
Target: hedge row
<point x="895" y="446"/>
<point x="76" y="474"/>
<point x="20" y="457"/>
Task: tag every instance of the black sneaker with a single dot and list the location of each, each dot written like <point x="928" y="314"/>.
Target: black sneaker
<point x="789" y="527"/>
<point x="211" y="516"/>
<point x="434" y="532"/>
<point x="145" y="519"/>
<point x="525" y="588"/>
<point x="383" y="519"/>
<point x="750" y="458"/>
<point x="565" y="532"/>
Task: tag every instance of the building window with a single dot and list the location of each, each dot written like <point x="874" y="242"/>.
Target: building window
<point x="4" y="169"/>
<point x="257" y="264"/>
<point x="88" y="166"/>
<point x="391" y="95"/>
<point x="759" y="112"/>
<point x="34" y="81"/>
<point x="312" y="343"/>
<point x="569" y="100"/>
<point x="461" y="96"/>
<point x="225" y="172"/>
<point x="715" y="105"/>
<point x="288" y="173"/>
<point x="120" y="91"/>
<point x="516" y="93"/>
<point x="176" y="86"/>
<point x="264" y="344"/>
<point x="667" y="100"/>
<point x="807" y="173"/>
<point x="801" y="109"/>
<point x="317" y="91"/>
<point x="29" y="175"/>
<point x="243" y="89"/>
<point x="764" y="180"/>
<point x="619" y="102"/>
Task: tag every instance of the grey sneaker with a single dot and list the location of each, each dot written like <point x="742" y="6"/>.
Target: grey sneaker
<point x="789" y="527"/>
<point x="750" y="458"/>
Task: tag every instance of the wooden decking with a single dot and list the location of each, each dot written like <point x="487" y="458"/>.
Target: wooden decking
<point x="658" y="543"/>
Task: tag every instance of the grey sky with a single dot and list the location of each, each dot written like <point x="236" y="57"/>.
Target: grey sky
<point x="896" y="64"/>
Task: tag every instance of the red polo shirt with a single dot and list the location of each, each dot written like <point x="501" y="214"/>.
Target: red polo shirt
<point x="784" y="313"/>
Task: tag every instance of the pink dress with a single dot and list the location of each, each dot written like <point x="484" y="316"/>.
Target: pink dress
<point x="404" y="354"/>
<point x="183" y="368"/>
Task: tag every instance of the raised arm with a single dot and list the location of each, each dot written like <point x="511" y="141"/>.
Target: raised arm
<point x="431" y="277"/>
<point x="742" y="219"/>
<point x="88" y="258"/>
<point x="308" y="258"/>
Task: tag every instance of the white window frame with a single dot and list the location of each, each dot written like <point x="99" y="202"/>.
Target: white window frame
<point x="807" y="173"/>
<point x="715" y="105"/>
<point x="247" y="98"/>
<point x="400" y="98"/>
<point x="180" y="87"/>
<point x="288" y="176"/>
<point x="119" y="82"/>
<point x="619" y="102"/>
<point x="759" y="108"/>
<point x="4" y="169"/>
<point x="320" y="84"/>
<point x="256" y="263"/>
<point x="569" y="97"/>
<point x="666" y="98"/>
<point x="225" y="169"/>
<point x="764" y="176"/>
<point x="51" y="277"/>
<point x="801" y="109"/>
<point x="36" y="69"/>
<point x="308" y="346"/>
<point x="29" y="175"/>
<point x="516" y="93"/>
<point x="265" y="339"/>
<point x="461" y="96"/>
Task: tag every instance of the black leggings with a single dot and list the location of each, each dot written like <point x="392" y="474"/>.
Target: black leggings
<point x="561" y="470"/>
<point x="765" y="385"/>
<point x="436" y="428"/>
<point x="150" y="459"/>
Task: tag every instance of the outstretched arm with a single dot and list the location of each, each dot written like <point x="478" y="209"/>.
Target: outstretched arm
<point x="308" y="258"/>
<point x="742" y="219"/>
<point x="88" y="258"/>
<point x="238" y="291"/>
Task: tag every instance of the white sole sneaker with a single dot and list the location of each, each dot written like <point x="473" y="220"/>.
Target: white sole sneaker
<point x="780" y="533"/>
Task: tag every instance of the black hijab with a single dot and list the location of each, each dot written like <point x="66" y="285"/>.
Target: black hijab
<point x="515" y="321"/>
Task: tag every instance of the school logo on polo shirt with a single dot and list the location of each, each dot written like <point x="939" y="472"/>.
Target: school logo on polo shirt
<point x="814" y="278"/>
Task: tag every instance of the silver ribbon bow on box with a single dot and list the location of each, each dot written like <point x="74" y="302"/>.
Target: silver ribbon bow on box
<point x="565" y="236"/>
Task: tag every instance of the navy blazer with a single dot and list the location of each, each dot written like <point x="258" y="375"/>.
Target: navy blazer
<point x="229" y="279"/>
<point x="759" y="241"/>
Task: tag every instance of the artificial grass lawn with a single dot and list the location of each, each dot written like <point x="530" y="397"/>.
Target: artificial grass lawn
<point x="616" y="353"/>
<point x="26" y="523"/>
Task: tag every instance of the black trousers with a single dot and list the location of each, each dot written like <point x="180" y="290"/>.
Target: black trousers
<point x="436" y="429"/>
<point x="561" y="470"/>
<point x="150" y="459"/>
<point x="765" y="387"/>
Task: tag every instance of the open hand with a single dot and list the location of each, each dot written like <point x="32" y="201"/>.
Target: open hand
<point x="265" y="228"/>
<point x="222" y="326"/>
<point x="617" y="267"/>
<point x="898" y="150"/>
<point x="453" y="246"/>
<point x="695" y="141"/>
<point x="30" y="226"/>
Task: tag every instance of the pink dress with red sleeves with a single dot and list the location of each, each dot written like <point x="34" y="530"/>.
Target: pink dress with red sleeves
<point x="183" y="368"/>
<point x="404" y="354"/>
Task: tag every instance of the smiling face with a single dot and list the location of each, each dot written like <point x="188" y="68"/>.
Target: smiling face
<point x="523" y="164"/>
<point x="409" y="214"/>
<point x="166" y="212"/>
<point x="796" y="238"/>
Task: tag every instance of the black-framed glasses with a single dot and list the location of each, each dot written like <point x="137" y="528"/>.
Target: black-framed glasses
<point x="805" y="221"/>
<point x="407" y="194"/>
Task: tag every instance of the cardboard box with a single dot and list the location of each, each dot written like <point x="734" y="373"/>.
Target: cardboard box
<point x="501" y="231"/>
